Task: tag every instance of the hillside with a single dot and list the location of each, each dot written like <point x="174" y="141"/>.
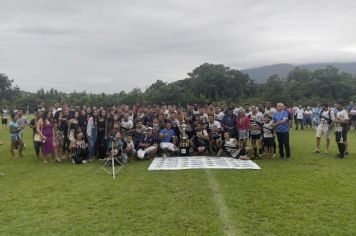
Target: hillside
<point x="261" y="74"/>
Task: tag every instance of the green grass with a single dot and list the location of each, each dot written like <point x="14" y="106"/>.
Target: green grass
<point x="308" y="195"/>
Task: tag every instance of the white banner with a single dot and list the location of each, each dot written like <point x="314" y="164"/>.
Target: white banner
<point x="200" y="162"/>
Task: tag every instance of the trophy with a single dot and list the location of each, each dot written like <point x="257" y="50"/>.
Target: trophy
<point x="184" y="140"/>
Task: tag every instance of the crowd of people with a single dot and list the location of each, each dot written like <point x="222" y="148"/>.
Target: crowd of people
<point x="84" y="133"/>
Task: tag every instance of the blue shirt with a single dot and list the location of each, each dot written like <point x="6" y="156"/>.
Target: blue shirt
<point x="316" y="114"/>
<point x="167" y="135"/>
<point x="284" y="127"/>
<point x="150" y="140"/>
<point x="14" y="126"/>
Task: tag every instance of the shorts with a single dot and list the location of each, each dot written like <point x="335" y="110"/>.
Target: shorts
<point x="321" y="131"/>
<point x="242" y="134"/>
<point x="254" y="137"/>
<point x="268" y="142"/>
<point x="4" y="121"/>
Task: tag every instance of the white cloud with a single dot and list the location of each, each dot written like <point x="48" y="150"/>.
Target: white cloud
<point x="113" y="45"/>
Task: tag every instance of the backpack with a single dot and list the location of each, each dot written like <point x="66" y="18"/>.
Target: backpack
<point x="329" y="120"/>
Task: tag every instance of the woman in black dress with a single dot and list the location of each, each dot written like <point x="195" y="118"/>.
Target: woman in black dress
<point x="101" y="140"/>
<point x="74" y="124"/>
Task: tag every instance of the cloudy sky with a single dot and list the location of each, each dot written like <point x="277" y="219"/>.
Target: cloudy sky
<point x="114" y="45"/>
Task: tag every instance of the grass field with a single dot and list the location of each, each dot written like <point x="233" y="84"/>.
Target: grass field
<point x="307" y="195"/>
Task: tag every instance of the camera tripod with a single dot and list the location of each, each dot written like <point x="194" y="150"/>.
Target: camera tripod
<point x="111" y="161"/>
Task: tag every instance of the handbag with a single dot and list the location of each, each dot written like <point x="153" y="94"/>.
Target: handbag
<point x="37" y="138"/>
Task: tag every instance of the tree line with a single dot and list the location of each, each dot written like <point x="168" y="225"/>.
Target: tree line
<point x="206" y="83"/>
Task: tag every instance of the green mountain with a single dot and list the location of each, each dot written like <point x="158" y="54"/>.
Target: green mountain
<point x="261" y="74"/>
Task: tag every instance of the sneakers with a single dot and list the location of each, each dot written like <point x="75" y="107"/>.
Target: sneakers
<point x="316" y="151"/>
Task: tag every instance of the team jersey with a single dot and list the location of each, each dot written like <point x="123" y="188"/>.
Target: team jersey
<point x="231" y="146"/>
<point x="268" y="131"/>
<point x="167" y="135"/>
<point x="256" y="121"/>
<point x="342" y="116"/>
<point x="326" y="117"/>
<point x="215" y="125"/>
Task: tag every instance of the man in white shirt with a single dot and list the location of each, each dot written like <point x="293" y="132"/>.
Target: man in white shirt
<point x="340" y="122"/>
<point x="269" y="110"/>
<point x="326" y="118"/>
<point x="300" y="117"/>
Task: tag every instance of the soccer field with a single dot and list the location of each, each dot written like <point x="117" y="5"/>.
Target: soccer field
<point x="311" y="194"/>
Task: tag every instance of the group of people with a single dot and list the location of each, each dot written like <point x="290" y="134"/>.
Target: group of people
<point x="86" y="133"/>
<point x="309" y="116"/>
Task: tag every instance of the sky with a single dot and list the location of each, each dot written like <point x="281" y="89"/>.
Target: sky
<point x="114" y="45"/>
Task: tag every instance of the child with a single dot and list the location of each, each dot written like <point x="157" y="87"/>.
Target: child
<point x="268" y="137"/>
<point x="80" y="151"/>
<point x="129" y="151"/>
<point x="233" y="148"/>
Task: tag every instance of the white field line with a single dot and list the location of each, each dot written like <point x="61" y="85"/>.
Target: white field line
<point x="229" y="227"/>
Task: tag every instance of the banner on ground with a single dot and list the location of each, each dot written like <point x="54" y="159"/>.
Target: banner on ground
<point x="201" y="162"/>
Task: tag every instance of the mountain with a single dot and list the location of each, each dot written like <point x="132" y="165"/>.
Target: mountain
<point x="261" y="74"/>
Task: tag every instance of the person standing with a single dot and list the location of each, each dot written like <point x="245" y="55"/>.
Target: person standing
<point x="16" y="141"/>
<point x="37" y="140"/>
<point x="300" y="117"/>
<point x="340" y="122"/>
<point x="92" y="132"/>
<point x="316" y="115"/>
<point x="229" y="123"/>
<point x="256" y="122"/>
<point x="46" y="131"/>
<point x="326" y="118"/>
<point x="280" y="123"/>
<point x="242" y="124"/>
<point x="4" y="117"/>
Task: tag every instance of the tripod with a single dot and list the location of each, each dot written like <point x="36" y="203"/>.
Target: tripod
<point x="111" y="161"/>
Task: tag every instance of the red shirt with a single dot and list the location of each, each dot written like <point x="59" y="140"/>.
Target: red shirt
<point x="243" y="122"/>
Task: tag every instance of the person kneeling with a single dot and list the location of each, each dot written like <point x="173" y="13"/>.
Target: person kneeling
<point x="79" y="150"/>
<point x="129" y="151"/>
<point x="148" y="145"/>
<point x="200" y="140"/>
<point x="167" y="138"/>
<point x="232" y="147"/>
